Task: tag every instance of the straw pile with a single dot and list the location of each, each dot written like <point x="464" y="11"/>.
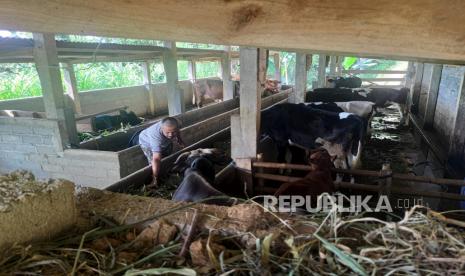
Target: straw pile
<point x="190" y="239"/>
<point x="33" y="210"/>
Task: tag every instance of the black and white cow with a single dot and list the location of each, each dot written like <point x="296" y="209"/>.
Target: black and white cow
<point x="381" y="97"/>
<point x="340" y="133"/>
<point x="199" y="176"/>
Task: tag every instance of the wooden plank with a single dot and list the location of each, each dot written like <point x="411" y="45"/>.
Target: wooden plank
<point x="432" y="96"/>
<point x="228" y="89"/>
<point x="431" y="30"/>
<point x="174" y="92"/>
<point x="300" y="78"/>
<point x="277" y="67"/>
<point x="382" y="79"/>
<point x="321" y="70"/>
<point x="71" y="86"/>
<point x="246" y="126"/>
<point x="457" y="141"/>
<point x="374" y="72"/>
<point x="147" y="79"/>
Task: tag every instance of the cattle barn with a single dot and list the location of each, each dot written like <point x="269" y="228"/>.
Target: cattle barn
<point x="318" y="137"/>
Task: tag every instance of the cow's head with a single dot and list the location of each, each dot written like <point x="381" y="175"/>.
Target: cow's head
<point x="319" y="159"/>
<point x="186" y="159"/>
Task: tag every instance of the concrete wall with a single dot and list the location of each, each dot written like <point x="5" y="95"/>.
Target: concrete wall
<point x="136" y="97"/>
<point x="446" y="106"/>
<point x="33" y="145"/>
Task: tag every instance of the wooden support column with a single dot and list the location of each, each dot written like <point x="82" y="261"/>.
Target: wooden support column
<point x="416" y="90"/>
<point x="147" y="78"/>
<point x="277" y="67"/>
<point x="245" y="127"/>
<point x="175" y="94"/>
<point x="321" y="70"/>
<point x="457" y="141"/>
<point x="300" y="79"/>
<point x="410" y="74"/>
<point x="332" y="66"/>
<point x="432" y="96"/>
<point x="191" y="70"/>
<point x="339" y="68"/>
<point x="48" y="69"/>
<point x="262" y="66"/>
<point x="228" y="89"/>
<point x="71" y="86"/>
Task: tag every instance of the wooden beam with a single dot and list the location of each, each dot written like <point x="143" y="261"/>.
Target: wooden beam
<point x="48" y="69"/>
<point x="300" y="79"/>
<point x="403" y="29"/>
<point x="174" y="92"/>
<point x="457" y="141"/>
<point x="374" y="72"/>
<point x="383" y="79"/>
<point x="432" y="96"/>
<point x="71" y="86"/>
<point x="321" y="70"/>
<point x="228" y="89"/>
<point x="147" y="79"/>
<point x="277" y="66"/>
<point x="245" y="127"/>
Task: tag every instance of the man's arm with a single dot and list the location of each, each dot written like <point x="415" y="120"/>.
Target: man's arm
<point x="156" y="161"/>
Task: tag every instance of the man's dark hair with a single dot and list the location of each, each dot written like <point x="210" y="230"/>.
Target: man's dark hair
<point x="170" y="121"/>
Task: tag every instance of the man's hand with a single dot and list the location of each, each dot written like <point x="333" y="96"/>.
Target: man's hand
<point x="153" y="184"/>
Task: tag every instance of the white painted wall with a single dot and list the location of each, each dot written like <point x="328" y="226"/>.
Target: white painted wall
<point x="135" y="97"/>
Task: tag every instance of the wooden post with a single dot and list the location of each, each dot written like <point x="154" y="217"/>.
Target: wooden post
<point x="457" y="140"/>
<point x="174" y="92"/>
<point x="410" y="74"/>
<point x="147" y="78"/>
<point x="46" y="59"/>
<point x="322" y="70"/>
<point x="340" y="60"/>
<point x="300" y="79"/>
<point x="228" y="89"/>
<point x="277" y="67"/>
<point x="417" y="84"/>
<point x="262" y="66"/>
<point x="71" y="86"/>
<point x="432" y="96"/>
<point x="332" y="66"/>
<point x="191" y="70"/>
<point x="245" y="127"/>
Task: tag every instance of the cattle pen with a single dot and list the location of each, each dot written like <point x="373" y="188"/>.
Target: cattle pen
<point x="322" y="138"/>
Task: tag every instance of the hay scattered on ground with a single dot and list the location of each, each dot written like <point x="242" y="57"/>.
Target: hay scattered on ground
<point x="323" y="243"/>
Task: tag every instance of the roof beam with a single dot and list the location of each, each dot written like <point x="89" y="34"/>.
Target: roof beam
<point x="415" y="29"/>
